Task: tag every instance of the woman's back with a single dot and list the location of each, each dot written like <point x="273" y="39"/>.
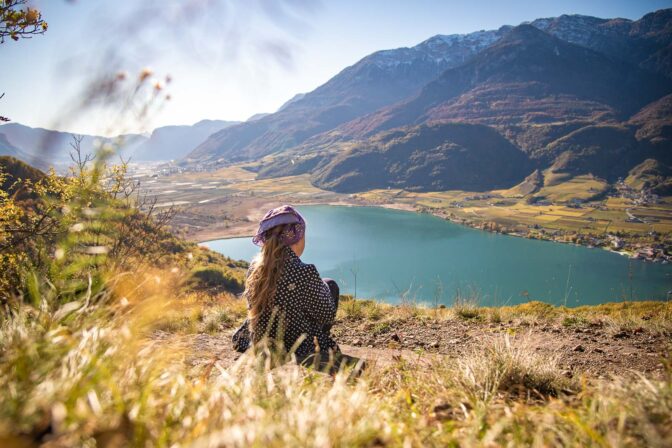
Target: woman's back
<point x="302" y="307"/>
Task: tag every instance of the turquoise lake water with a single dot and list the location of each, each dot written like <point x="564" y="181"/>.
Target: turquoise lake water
<point x="393" y="254"/>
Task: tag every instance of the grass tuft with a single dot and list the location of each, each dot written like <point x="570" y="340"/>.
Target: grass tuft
<point x="511" y="366"/>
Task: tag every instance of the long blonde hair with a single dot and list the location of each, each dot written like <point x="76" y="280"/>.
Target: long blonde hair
<point x="262" y="282"/>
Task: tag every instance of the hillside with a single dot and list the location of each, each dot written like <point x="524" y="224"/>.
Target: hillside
<point x="17" y="170"/>
<point x="654" y="122"/>
<point x="651" y="174"/>
<point x="427" y="157"/>
<point x="604" y="151"/>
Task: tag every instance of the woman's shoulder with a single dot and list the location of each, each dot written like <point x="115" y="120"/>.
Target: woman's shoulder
<point x="298" y="270"/>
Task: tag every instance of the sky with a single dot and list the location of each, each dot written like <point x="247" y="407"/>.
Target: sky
<point x="228" y="59"/>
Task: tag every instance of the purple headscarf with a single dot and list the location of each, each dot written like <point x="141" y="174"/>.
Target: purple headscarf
<point x="285" y="214"/>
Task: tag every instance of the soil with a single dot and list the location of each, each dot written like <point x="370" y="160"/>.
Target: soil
<point x="592" y="351"/>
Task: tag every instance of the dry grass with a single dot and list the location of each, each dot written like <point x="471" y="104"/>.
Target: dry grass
<point x="100" y="377"/>
<point x="647" y="315"/>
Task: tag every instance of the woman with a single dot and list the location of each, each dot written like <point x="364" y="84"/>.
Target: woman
<point x="289" y="306"/>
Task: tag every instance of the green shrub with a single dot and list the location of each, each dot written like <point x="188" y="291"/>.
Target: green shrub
<point x="381" y="328"/>
<point x="217" y="278"/>
<point x="574" y="321"/>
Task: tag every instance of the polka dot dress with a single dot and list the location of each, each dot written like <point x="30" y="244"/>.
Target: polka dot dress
<point x="303" y="305"/>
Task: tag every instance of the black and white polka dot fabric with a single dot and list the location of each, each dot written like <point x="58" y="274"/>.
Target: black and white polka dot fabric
<point x="303" y="305"/>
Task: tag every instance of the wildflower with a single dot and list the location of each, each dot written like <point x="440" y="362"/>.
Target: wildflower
<point x="145" y="73"/>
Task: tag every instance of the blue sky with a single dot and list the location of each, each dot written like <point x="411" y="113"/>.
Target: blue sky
<point x="230" y="59"/>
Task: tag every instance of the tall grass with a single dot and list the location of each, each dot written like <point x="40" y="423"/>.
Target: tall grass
<point x="99" y="376"/>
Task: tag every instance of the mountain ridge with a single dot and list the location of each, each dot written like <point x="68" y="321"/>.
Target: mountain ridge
<point x="337" y="101"/>
<point x="527" y="80"/>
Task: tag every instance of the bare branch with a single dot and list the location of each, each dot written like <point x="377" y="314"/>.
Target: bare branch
<point x="80" y="161"/>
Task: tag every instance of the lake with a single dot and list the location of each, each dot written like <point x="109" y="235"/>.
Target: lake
<point x="392" y="256"/>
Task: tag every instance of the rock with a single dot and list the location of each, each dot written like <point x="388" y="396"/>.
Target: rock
<point x="369" y="346"/>
<point x="579" y="348"/>
<point x="435" y="344"/>
<point x="357" y="342"/>
<point x="395" y="337"/>
<point x="598" y="350"/>
<point x="621" y="335"/>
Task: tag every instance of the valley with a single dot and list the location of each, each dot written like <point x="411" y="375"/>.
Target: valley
<point x="229" y="202"/>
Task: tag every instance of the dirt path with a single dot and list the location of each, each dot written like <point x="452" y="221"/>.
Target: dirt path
<point x="594" y="351"/>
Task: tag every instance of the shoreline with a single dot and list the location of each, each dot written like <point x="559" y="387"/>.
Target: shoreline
<point x="244" y="234"/>
<point x="412" y="209"/>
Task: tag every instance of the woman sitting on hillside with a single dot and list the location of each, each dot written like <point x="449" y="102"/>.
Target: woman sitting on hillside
<point x="289" y="305"/>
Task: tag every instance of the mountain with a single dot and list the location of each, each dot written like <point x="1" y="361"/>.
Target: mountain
<point x="528" y="77"/>
<point x="294" y="99"/>
<point x="8" y="149"/>
<point x="174" y="142"/>
<point x="565" y="105"/>
<point x="46" y="146"/>
<point x="256" y="117"/>
<point x="388" y="76"/>
<point x="644" y="42"/>
<point x="377" y="80"/>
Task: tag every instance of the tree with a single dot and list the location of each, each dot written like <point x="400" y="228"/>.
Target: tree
<point x="19" y="21"/>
